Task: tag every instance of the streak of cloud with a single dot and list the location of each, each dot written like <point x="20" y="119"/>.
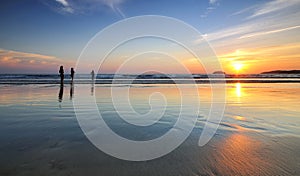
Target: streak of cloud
<point x="258" y="59"/>
<point x="274" y="6"/>
<point x="63" y="2"/>
<point x="266" y="24"/>
<point x="86" y="6"/>
<point x="212" y="1"/>
<point x="248" y="9"/>
<point x="16" y="61"/>
<point x="268" y="32"/>
<point x="66" y="6"/>
<point x="268" y="35"/>
<point x="114" y="5"/>
<point x="212" y="6"/>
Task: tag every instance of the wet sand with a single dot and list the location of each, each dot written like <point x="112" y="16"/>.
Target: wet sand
<point x="235" y="154"/>
<point x="40" y="136"/>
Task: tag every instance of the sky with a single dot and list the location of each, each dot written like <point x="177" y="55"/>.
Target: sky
<point x="37" y="36"/>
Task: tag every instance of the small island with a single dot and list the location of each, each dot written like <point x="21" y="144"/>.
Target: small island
<point x="282" y="72"/>
<point x="219" y="72"/>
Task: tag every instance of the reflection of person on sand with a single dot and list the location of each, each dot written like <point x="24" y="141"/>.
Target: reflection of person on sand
<point x="61" y="74"/>
<point x="92" y="89"/>
<point x="93" y="81"/>
<point x="71" y="90"/>
<point x="61" y="92"/>
<point x="72" y="74"/>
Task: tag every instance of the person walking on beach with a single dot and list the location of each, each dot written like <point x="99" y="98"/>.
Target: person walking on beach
<point x="72" y="73"/>
<point x="61" y="74"/>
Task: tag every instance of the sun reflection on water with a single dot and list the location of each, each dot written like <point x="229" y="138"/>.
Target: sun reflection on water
<point x="240" y="118"/>
<point x="238" y="90"/>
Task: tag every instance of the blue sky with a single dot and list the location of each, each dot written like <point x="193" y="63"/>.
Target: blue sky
<point x="33" y="30"/>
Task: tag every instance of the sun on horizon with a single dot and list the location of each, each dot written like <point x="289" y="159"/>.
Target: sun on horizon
<point x="237" y="66"/>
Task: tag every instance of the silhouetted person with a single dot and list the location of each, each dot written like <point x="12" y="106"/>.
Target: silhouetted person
<point x="61" y="74"/>
<point x="61" y="92"/>
<point x="71" y="90"/>
<point x="93" y="75"/>
<point x="72" y="74"/>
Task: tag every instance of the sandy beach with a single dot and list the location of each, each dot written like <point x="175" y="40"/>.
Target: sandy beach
<point x="40" y="134"/>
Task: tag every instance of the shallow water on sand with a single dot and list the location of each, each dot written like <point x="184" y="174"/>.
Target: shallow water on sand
<point x="258" y="135"/>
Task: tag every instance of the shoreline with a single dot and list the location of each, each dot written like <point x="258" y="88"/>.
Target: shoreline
<point x="154" y="81"/>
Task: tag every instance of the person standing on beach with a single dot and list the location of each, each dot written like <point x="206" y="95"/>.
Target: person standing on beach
<point x="93" y="75"/>
<point x="61" y="74"/>
<point x="72" y="73"/>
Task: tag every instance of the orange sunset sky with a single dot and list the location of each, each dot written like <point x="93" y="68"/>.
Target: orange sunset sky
<point x="247" y="37"/>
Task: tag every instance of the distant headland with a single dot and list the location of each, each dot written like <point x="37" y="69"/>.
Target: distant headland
<point x="282" y="72"/>
<point x="219" y="72"/>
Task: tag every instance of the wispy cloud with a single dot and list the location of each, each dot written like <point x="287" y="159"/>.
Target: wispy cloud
<point x="65" y="6"/>
<point x="268" y="32"/>
<point x="212" y="6"/>
<point x="287" y="52"/>
<point x="286" y="19"/>
<point x="114" y="5"/>
<point x="248" y="9"/>
<point x="16" y="61"/>
<point x="63" y="2"/>
<point x="212" y="1"/>
<point x="86" y="6"/>
<point x="273" y="6"/>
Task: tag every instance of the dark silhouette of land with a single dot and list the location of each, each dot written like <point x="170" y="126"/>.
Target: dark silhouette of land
<point x="282" y="72"/>
<point x="219" y="72"/>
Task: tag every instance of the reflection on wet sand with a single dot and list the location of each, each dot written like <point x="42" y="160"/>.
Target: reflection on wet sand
<point x="92" y="89"/>
<point x="33" y="144"/>
<point x="238" y="90"/>
<point x="240" y="118"/>
<point x="61" y="93"/>
<point x="71" y="90"/>
<point x="239" y="154"/>
<point x="92" y="83"/>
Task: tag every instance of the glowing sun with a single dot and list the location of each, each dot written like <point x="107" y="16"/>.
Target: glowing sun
<point x="238" y="66"/>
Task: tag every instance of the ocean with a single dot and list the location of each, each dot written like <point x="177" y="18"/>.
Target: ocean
<point x="150" y="78"/>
